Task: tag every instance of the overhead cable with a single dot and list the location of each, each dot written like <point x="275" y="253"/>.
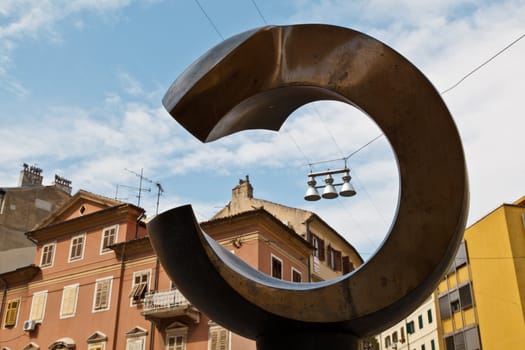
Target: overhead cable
<point x="483" y="64"/>
<point x="209" y="19"/>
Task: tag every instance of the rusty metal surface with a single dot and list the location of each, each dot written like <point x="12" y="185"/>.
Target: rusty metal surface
<point x="255" y="80"/>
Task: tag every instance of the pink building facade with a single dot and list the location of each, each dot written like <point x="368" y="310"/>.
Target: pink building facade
<point x="96" y="283"/>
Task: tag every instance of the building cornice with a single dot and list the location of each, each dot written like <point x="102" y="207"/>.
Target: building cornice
<point x="84" y="223"/>
<point x="265" y="219"/>
<point x="19" y="276"/>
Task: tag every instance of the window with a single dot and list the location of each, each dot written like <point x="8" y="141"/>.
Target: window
<point x="454" y="305"/>
<point x="348" y="266"/>
<point x="472" y="339"/>
<point x="318" y="245"/>
<point x="423" y="347"/>
<point x="277" y="267"/>
<point x="429" y="316"/>
<point x="11" y="313"/>
<point x="432" y="345"/>
<point x="402" y="335"/>
<point x="38" y="306"/>
<point x="175" y="342"/>
<point x="219" y="338"/>
<point x="102" y="294"/>
<point x="459" y="341"/>
<point x="420" y="321"/>
<point x="176" y="336"/>
<point x="76" y="251"/>
<point x="135" y="343"/>
<point x="444" y="307"/>
<point x="334" y="258"/>
<point x="97" y="346"/>
<point x="449" y="343"/>
<point x="109" y="237"/>
<point x="460" y="259"/>
<point x="48" y="254"/>
<point x="97" y="341"/>
<point x="140" y="286"/>
<point x="394" y="337"/>
<point x="296" y="276"/>
<point x="410" y="327"/>
<point x="465" y="296"/>
<point x="69" y="301"/>
<point x="461" y="256"/>
<point x="456" y="300"/>
<point x="465" y="340"/>
<point x="387" y="341"/>
<point x="136" y="339"/>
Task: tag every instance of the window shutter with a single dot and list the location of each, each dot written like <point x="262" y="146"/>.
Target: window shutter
<point x="37" y="307"/>
<point x="223" y="339"/>
<point x="140" y="286"/>
<point x="102" y="294"/>
<point x="329" y="253"/>
<point x="465" y="296"/>
<point x="214" y="334"/>
<point x="347" y="265"/>
<point x="219" y="339"/>
<point x="136" y="344"/>
<point x="321" y="250"/>
<point x="69" y="300"/>
<point x="337" y="258"/>
<point x="12" y="312"/>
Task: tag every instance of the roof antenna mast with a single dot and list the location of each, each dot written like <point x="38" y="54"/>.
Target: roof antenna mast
<point x="142" y="178"/>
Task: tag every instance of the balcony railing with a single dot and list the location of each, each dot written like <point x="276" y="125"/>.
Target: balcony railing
<point x="169" y="304"/>
<point x="156" y="300"/>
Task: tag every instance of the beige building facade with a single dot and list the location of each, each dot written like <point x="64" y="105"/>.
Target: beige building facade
<point x="23" y="207"/>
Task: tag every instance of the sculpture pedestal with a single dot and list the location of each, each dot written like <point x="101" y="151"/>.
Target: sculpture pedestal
<point x="308" y="341"/>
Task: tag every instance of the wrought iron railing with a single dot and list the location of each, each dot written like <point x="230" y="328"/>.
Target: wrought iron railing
<point x="156" y="300"/>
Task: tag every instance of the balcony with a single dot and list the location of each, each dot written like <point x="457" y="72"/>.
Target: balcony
<point x="164" y="307"/>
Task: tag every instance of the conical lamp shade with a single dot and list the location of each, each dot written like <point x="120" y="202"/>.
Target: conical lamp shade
<point x="312" y="194"/>
<point x="347" y="190"/>
<point x="329" y="191"/>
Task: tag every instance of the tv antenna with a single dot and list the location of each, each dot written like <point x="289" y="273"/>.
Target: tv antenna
<point x="142" y="178"/>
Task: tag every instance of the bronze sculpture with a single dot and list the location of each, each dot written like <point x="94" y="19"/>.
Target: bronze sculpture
<point x="255" y="80"/>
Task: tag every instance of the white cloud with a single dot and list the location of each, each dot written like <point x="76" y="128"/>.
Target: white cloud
<point x="445" y="39"/>
<point x="36" y="19"/>
<point x="131" y="85"/>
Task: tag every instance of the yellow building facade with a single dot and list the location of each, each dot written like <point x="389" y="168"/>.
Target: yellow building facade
<point x="482" y="299"/>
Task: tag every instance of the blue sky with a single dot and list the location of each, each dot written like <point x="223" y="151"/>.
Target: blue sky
<point x="81" y="84"/>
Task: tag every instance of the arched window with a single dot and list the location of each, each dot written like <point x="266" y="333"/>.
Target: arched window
<point x="63" y="343"/>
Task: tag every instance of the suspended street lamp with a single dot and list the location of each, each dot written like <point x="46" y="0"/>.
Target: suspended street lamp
<point x="329" y="192"/>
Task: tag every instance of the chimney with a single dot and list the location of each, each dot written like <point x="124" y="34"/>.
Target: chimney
<point x="62" y="183"/>
<point x="30" y="176"/>
<point x="243" y="190"/>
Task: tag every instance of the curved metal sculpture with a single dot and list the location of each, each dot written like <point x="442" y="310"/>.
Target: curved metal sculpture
<point x="256" y="80"/>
